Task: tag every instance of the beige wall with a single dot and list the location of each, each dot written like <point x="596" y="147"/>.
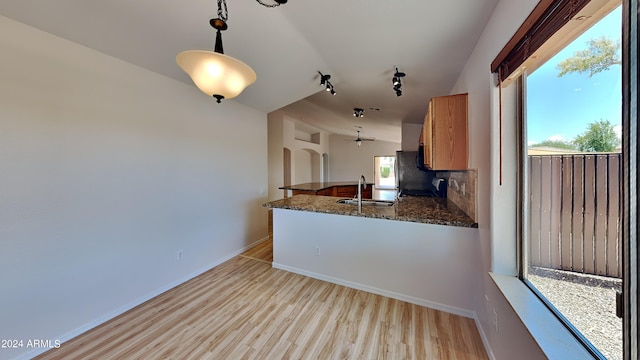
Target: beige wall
<point x="348" y="161"/>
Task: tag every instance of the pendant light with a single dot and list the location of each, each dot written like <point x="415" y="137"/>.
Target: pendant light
<point x="277" y="3"/>
<point x="213" y="72"/>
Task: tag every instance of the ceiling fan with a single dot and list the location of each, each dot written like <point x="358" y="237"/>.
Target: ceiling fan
<point x="359" y="139"/>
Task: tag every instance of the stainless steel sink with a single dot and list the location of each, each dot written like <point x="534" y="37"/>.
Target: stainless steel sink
<point x="366" y="202"/>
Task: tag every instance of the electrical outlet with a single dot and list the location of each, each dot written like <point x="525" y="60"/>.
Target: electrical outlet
<point x="179" y="255"/>
<point x="317" y="251"/>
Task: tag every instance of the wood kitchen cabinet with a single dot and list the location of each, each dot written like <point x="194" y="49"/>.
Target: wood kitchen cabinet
<point x="333" y="189"/>
<point x="352" y="191"/>
<point x="445" y="133"/>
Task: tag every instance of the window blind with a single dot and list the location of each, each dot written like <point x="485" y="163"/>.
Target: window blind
<point x="544" y="21"/>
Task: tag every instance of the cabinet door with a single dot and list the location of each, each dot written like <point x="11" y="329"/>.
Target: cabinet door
<point x="427" y="137"/>
<point x="347" y="190"/>
<point x="325" y="192"/>
<point x="446" y="143"/>
<point x="450" y="136"/>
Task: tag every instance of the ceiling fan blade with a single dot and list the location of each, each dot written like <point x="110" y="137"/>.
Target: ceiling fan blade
<point x="360" y="139"/>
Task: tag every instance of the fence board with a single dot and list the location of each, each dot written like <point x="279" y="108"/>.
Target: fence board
<point x="556" y="209"/>
<point x="567" y="213"/>
<point x="614" y="246"/>
<point x="600" y="234"/>
<point x="577" y="235"/>
<point x="545" y="211"/>
<point x="534" y="211"/>
<point x="589" y="214"/>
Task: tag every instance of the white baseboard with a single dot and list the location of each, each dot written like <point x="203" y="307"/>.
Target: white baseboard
<point x="410" y="299"/>
<point x="121" y="310"/>
<point x="483" y="336"/>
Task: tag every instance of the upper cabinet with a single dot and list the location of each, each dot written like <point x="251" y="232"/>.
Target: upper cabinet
<point x="445" y="133"/>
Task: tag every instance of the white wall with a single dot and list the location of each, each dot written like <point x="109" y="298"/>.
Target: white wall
<point x="303" y="170"/>
<point x="347" y="161"/>
<point x="496" y="215"/>
<point x="276" y="163"/>
<point x="306" y="157"/>
<point x="108" y="170"/>
<point x="425" y="264"/>
<point x="411" y="136"/>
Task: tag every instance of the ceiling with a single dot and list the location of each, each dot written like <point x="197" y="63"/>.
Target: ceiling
<point x="357" y="42"/>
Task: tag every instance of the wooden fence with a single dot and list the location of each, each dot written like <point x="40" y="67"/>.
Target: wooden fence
<point x="575" y="208"/>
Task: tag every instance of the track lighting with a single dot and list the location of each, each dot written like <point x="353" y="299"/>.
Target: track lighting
<point x="324" y="81"/>
<point x="397" y="82"/>
<point x="358" y="112"/>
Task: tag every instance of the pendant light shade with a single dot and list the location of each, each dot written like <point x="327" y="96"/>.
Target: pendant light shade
<point x="213" y="72"/>
<point x="216" y="74"/>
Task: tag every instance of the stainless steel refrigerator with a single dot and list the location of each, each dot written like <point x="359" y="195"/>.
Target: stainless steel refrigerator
<point x="411" y="180"/>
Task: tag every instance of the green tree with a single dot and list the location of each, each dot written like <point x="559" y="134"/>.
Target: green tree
<point x="599" y="137"/>
<point x="558" y="144"/>
<point x="601" y="54"/>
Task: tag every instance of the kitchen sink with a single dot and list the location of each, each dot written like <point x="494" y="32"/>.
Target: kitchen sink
<point x="366" y="202"/>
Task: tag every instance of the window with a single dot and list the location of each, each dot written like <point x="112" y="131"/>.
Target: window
<point x="573" y="175"/>
<point x="573" y="139"/>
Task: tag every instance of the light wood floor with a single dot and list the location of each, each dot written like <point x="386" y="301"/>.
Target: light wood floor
<point x="245" y="309"/>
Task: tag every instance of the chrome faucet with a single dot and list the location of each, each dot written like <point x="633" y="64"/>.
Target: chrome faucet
<point x="361" y="182"/>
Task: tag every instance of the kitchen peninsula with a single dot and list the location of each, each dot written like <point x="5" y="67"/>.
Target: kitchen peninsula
<point x="420" y="250"/>
<point x="421" y="209"/>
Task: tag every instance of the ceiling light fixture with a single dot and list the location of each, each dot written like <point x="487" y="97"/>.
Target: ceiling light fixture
<point x="324" y="81"/>
<point x="359" y="139"/>
<point x="277" y="3"/>
<point x="358" y="112"/>
<point x="397" y="82"/>
<point x="213" y="72"/>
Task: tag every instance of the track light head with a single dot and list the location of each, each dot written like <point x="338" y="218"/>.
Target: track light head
<point x="358" y="112"/>
<point x="324" y="81"/>
<point x="399" y="74"/>
<point x="397" y="81"/>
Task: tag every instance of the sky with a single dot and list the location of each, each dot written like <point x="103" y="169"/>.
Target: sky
<point x="562" y="108"/>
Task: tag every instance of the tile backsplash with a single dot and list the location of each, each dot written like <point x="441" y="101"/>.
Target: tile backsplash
<point x="461" y="191"/>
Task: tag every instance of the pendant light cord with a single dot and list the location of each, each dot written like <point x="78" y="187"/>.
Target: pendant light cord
<point x="223" y="14"/>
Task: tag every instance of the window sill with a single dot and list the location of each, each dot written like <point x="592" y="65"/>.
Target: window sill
<point x="550" y="334"/>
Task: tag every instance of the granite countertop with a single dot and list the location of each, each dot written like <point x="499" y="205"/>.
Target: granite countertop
<point x="317" y="186"/>
<point x="421" y="209"/>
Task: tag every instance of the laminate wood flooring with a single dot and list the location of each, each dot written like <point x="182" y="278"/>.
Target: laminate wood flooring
<point x="263" y="252"/>
<point x="245" y="309"/>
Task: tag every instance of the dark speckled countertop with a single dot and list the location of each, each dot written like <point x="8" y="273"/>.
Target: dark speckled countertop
<point x="428" y="210"/>
<point x="317" y="186"/>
